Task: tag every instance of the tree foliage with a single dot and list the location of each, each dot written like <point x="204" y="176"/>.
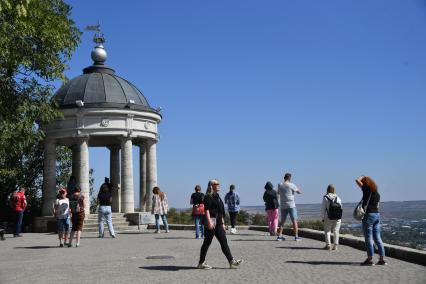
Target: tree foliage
<point x="37" y="39"/>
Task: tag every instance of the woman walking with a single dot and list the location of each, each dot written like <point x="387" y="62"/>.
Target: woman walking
<point x="104" y="210"/>
<point x="215" y="226"/>
<point x="331" y="211"/>
<point x="160" y="207"/>
<point x="271" y="206"/>
<point x="77" y="204"/>
<point x="198" y="211"/>
<point x="61" y="210"/>
<point x="371" y="220"/>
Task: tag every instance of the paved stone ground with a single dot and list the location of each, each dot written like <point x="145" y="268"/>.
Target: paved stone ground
<point x="35" y="258"/>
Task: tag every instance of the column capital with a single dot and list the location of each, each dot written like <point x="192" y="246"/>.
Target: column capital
<point x="150" y="142"/>
<point x="82" y="138"/>
<point x="126" y="137"/>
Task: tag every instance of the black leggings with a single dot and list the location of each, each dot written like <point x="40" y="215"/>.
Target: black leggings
<point x="220" y="234"/>
<point x="233" y="217"/>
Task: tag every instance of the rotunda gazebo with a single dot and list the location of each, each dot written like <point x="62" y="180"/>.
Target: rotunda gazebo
<point x="101" y="109"/>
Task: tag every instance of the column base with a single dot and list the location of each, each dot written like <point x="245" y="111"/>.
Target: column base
<point x="145" y="218"/>
<point x="45" y="224"/>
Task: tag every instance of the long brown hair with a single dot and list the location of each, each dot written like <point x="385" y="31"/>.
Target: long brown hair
<point x="157" y="190"/>
<point x="369" y="183"/>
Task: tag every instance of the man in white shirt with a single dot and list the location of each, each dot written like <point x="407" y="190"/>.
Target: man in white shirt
<point x="286" y="192"/>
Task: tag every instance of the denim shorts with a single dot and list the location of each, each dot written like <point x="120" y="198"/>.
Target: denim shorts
<point x="63" y="225"/>
<point x="287" y="211"/>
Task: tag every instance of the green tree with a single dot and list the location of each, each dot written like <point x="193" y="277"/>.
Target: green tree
<point x="37" y="38"/>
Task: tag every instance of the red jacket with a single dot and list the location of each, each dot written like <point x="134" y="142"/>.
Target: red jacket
<point x="19" y="202"/>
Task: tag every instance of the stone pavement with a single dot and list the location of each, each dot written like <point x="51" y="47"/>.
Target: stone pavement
<point x="36" y="258"/>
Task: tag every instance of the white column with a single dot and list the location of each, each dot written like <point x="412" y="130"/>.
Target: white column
<point x="82" y="175"/>
<point x="127" y="195"/>
<point x="49" y="177"/>
<point x="114" y="174"/>
<point x="142" y="178"/>
<point x="151" y="169"/>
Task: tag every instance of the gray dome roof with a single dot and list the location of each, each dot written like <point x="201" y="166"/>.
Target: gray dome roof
<point x="99" y="87"/>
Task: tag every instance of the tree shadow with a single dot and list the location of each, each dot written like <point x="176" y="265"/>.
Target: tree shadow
<point x="37" y="247"/>
<point x="301" y="248"/>
<point x="325" y="262"/>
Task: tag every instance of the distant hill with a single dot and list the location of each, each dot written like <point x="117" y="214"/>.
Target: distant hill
<point x="402" y="210"/>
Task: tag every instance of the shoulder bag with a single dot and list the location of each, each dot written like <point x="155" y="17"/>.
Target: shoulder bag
<point x="359" y="211"/>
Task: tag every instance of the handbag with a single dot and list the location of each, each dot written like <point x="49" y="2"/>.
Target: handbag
<point x="198" y="209"/>
<point x="359" y="211"/>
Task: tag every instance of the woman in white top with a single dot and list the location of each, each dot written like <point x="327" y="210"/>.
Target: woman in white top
<point x="61" y="210"/>
<point x="331" y="212"/>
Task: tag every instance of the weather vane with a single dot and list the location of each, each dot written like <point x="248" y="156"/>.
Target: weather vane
<point x="98" y="38"/>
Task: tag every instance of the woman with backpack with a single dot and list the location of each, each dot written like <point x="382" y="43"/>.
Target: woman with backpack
<point x="198" y="211"/>
<point x="77" y="204"/>
<point x="271" y="206"/>
<point x="371" y="220"/>
<point x="160" y="207"/>
<point x="331" y="212"/>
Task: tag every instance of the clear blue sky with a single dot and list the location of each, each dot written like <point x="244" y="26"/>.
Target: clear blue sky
<point x="326" y="90"/>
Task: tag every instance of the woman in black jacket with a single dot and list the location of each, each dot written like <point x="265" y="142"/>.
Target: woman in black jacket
<point x="271" y="206"/>
<point x="215" y="226"/>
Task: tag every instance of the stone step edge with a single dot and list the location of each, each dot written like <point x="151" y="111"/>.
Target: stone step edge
<point x="399" y="252"/>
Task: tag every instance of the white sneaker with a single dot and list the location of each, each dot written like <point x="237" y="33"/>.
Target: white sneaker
<point x="204" y="265"/>
<point x="235" y="263"/>
<point x="233" y="231"/>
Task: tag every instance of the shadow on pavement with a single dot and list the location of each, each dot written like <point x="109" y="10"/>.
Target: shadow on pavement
<point x="168" y="267"/>
<point x="248" y="235"/>
<point x="299" y="248"/>
<point x="252" y="240"/>
<point x="37" y="247"/>
<point x="325" y="262"/>
<point x="175" y="238"/>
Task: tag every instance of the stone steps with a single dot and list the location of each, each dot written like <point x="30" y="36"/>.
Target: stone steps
<point x="119" y="221"/>
<point x="114" y="220"/>
<point x="117" y="229"/>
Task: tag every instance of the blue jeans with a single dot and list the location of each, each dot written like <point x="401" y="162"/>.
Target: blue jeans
<point x="371" y="229"/>
<point x="199" y="226"/>
<point x="63" y="225"/>
<point x="18" y="222"/>
<point x="157" y="222"/>
<point x="104" y="213"/>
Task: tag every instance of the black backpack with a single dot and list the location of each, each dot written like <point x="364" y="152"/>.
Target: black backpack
<point x="334" y="211"/>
